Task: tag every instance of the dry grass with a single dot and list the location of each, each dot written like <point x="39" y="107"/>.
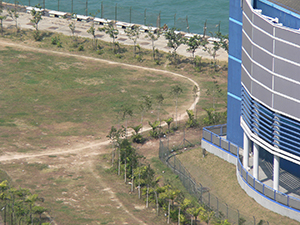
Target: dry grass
<point x="220" y="177"/>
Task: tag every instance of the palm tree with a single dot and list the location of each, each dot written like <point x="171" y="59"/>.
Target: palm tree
<point x="169" y="121"/>
<point x="156" y="125"/>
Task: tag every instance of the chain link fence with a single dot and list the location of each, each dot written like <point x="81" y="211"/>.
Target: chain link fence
<point x="202" y="194"/>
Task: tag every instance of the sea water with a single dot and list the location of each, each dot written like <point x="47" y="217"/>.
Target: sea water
<point x="186" y="15"/>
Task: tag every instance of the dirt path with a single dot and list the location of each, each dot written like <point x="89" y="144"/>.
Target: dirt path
<point x="94" y="148"/>
<point x="95" y="144"/>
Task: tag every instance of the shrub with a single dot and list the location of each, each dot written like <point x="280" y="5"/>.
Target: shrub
<point x="139" y="58"/>
<point x="59" y="44"/>
<point x="80" y="48"/>
<point x="100" y="51"/>
<point x="54" y="40"/>
<point x="119" y="56"/>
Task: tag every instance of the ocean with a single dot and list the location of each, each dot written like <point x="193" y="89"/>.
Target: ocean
<point x="186" y="15"/>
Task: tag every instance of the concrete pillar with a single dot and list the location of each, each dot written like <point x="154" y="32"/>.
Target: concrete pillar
<point x="246" y="152"/>
<point x="255" y="161"/>
<point x="276" y="167"/>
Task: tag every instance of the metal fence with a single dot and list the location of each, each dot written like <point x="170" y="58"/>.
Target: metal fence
<point x="117" y="13"/>
<point x="213" y="134"/>
<point x="221" y="209"/>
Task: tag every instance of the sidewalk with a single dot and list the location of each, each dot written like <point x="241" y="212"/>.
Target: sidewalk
<point x="61" y="25"/>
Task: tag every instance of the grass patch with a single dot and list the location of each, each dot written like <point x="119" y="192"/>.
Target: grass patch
<point x="220" y="177"/>
<point x="38" y="166"/>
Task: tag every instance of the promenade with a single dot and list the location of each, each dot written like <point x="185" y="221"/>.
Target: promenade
<point x="61" y="25"/>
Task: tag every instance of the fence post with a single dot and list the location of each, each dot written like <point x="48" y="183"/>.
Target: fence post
<point x="116" y="12"/>
<point x="238" y="216"/>
<point x="102" y="14"/>
<point x="145" y="17"/>
<point x="130" y="15"/>
<point x="175" y="20"/>
<point x="201" y="194"/>
<point x="209" y="199"/>
<point x="174" y="164"/>
<point x="217" y="206"/>
<point x="254" y="220"/>
<point x="57" y="5"/>
<point x="226" y="211"/>
<point x="86" y="8"/>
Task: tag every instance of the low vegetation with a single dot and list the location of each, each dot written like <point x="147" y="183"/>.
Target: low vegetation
<point x="50" y="101"/>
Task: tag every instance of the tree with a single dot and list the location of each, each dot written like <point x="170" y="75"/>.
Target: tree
<point x="169" y="121"/>
<point x="92" y="30"/>
<point x="125" y="113"/>
<point x="36" y="18"/>
<point x="30" y="200"/>
<point x="154" y="37"/>
<point x="111" y="31"/>
<point x="115" y="137"/>
<point x="144" y="106"/>
<point x="214" y="117"/>
<point x="192" y="122"/>
<point x="4" y="196"/>
<point x="175" y="39"/>
<point x="1" y="18"/>
<point x="155" y="129"/>
<point x="13" y="13"/>
<point x="194" y="43"/>
<point x="39" y="210"/>
<point x="195" y="211"/>
<point x="219" y="41"/>
<point x="159" y="101"/>
<point x="175" y="92"/>
<point x="129" y="157"/>
<point x="72" y="27"/>
<point x="133" y="33"/>
<point x="195" y="95"/>
<point x="136" y="137"/>
<point x="215" y="92"/>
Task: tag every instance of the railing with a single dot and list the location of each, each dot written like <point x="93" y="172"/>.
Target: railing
<point x="267" y="191"/>
<point x="213" y="134"/>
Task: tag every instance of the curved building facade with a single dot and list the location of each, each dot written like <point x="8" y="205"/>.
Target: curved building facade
<point x="264" y="83"/>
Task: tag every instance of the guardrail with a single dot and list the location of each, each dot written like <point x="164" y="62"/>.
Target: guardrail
<point x="267" y="191"/>
<point x="213" y="135"/>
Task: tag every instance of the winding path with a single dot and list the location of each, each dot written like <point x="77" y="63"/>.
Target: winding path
<point x="8" y="157"/>
<point x="95" y="147"/>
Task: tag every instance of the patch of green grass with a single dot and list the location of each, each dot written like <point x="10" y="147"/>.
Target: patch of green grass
<point x="39" y="166"/>
<point x="52" y="156"/>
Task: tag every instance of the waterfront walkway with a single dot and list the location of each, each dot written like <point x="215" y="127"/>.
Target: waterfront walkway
<point x="61" y="25"/>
